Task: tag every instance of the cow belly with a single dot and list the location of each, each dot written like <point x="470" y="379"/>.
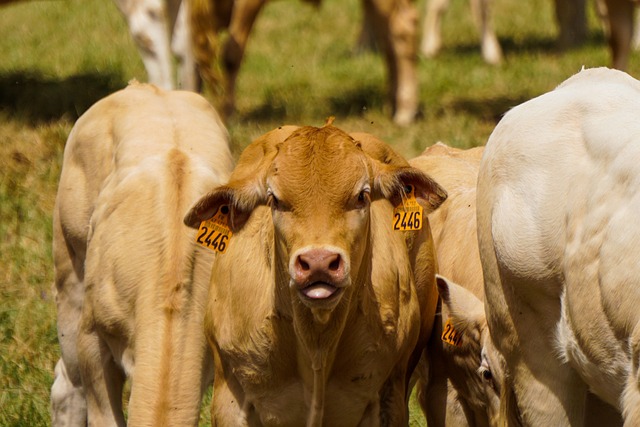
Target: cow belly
<point x="599" y="305"/>
<point x="287" y="405"/>
<point x="591" y="348"/>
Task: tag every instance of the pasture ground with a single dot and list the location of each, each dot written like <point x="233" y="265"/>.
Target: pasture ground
<point x="60" y="56"/>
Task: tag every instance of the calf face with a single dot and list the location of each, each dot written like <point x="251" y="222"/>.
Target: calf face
<point x="476" y="367"/>
<point x="319" y="184"/>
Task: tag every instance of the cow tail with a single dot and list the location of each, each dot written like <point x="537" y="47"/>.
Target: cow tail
<point x="509" y="412"/>
<point x="204" y="38"/>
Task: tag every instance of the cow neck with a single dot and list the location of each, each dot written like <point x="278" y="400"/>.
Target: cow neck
<point x="318" y="334"/>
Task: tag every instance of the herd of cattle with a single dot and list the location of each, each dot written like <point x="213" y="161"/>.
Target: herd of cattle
<point x="191" y="30"/>
<point x="323" y="277"/>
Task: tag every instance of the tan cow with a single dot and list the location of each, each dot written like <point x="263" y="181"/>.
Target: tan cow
<point x="465" y="367"/>
<point x="394" y="21"/>
<point x="131" y="284"/>
<point x="319" y="309"/>
<point x="558" y="231"/>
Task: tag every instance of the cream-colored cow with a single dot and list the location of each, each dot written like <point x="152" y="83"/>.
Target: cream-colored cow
<point x="465" y="368"/>
<point x="319" y="309"/>
<point x="559" y="238"/>
<point x="131" y="284"/>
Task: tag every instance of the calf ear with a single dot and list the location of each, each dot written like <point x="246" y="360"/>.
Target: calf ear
<point x="465" y="309"/>
<point x="394" y="182"/>
<point x="246" y="189"/>
<point x="240" y="199"/>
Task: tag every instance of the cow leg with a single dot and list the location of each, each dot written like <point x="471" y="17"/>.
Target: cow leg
<point x="68" y="405"/>
<point x="432" y="27"/>
<point x="103" y="381"/>
<point x="147" y="21"/>
<point x="491" y="51"/>
<point x="393" y="400"/>
<point x="242" y="20"/>
<point x="395" y="23"/>
<point x="620" y="14"/>
<point x="187" y="76"/>
<point x="631" y="395"/>
<point x="572" y="20"/>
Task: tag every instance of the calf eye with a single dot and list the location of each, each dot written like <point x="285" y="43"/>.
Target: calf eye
<point x="273" y="200"/>
<point x="363" y="198"/>
<point x="485" y="373"/>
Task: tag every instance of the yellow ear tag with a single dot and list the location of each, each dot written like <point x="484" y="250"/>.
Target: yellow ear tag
<point x="408" y="214"/>
<point x="450" y="335"/>
<point x="215" y="233"/>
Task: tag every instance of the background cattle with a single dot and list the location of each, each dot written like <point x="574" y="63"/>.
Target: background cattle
<point x="571" y="18"/>
<point x="319" y="309"/>
<point x="131" y="284"/>
<point x="466" y="369"/>
<point x="558" y="236"/>
<point x="394" y="23"/>
<point x="161" y="32"/>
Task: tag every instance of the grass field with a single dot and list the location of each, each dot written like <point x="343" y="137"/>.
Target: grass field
<point x="60" y="56"/>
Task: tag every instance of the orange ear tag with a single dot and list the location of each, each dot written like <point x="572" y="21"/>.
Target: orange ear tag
<point x="408" y="214"/>
<point x="215" y="233"/>
<point x="450" y="335"/>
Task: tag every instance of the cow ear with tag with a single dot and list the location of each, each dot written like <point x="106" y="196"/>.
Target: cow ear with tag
<point x="246" y="188"/>
<point x="240" y="200"/>
<point x="396" y="183"/>
<point x="462" y="308"/>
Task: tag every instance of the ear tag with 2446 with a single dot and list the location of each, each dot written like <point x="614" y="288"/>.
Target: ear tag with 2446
<point x="215" y="233"/>
<point x="408" y="214"/>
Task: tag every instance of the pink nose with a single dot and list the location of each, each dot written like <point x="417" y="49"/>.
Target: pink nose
<point x="319" y="265"/>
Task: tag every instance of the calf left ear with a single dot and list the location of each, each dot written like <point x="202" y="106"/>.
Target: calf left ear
<point x="394" y="184"/>
<point x="241" y="200"/>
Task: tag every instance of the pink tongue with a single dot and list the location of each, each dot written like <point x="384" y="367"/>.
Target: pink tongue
<point x="319" y="291"/>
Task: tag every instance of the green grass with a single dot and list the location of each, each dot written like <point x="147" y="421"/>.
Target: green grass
<point x="60" y="56"/>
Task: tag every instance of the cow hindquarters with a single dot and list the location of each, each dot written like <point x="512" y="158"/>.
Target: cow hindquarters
<point x="547" y="390"/>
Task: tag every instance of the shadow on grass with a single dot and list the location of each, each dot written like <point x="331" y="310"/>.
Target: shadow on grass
<point x="487" y="109"/>
<point x="35" y="98"/>
<point x="353" y="102"/>
<point x="532" y="45"/>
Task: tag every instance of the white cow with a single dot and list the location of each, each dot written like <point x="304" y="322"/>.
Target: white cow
<point x="130" y="283"/>
<point x="559" y="238"/>
<point x="159" y="29"/>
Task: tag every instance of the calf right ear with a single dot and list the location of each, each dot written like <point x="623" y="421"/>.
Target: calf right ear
<point x="465" y="309"/>
<point x="240" y="199"/>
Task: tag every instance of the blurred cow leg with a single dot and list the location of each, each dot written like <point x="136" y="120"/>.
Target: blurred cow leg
<point x="147" y="21"/>
<point x="182" y="48"/>
<point x="620" y="22"/>
<point x="242" y="19"/>
<point x="432" y="27"/>
<point x="491" y="51"/>
<point x="571" y="17"/>
<point x="395" y="22"/>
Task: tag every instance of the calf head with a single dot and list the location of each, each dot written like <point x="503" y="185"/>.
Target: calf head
<point x="320" y="184"/>
<point x="475" y="366"/>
